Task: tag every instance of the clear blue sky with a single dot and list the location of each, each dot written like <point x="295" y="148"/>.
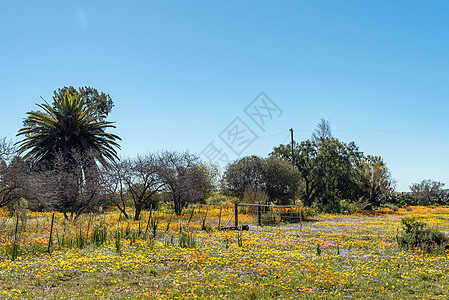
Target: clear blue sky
<point x="180" y="72"/>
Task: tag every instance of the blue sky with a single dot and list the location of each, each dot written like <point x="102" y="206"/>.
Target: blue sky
<point x="181" y="72"/>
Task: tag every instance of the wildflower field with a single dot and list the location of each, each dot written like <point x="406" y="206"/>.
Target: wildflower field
<point x="103" y="256"/>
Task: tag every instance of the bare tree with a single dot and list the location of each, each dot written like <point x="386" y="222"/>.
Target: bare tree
<point x="72" y="187"/>
<point x="255" y="195"/>
<point x="427" y="190"/>
<point x="12" y="173"/>
<point x="7" y="150"/>
<point x="135" y="179"/>
<point x="40" y="190"/>
<point x="115" y="185"/>
<point x="185" y="180"/>
<point x="142" y="180"/>
<point x="322" y="131"/>
<point x="12" y="178"/>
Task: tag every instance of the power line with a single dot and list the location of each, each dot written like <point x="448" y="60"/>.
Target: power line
<point x="394" y="131"/>
<point x="276" y="134"/>
<point x="288" y="135"/>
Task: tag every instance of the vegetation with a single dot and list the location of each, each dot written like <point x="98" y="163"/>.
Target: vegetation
<point x="377" y="177"/>
<point x="428" y="191"/>
<point x="102" y="102"/>
<point x="337" y="256"/>
<point x="331" y="171"/>
<point x="12" y="174"/>
<point x="273" y="176"/>
<point x="69" y="124"/>
<point x="70" y="166"/>
<point x="185" y="179"/>
<point x="416" y="236"/>
<point x="134" y="179"/>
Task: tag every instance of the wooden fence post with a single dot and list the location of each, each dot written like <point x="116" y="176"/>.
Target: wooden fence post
<point x="51" y="233"/>
<point x="203" y="225"/>
<point x="191" y="215"/>
<point x="148" y="223"/>
<point x="259" y="215"/>
<point x="17" y="227"/>
<point x="236" y="215"/>
<point x="219" y="219"/>
<point x="169" y="221"/>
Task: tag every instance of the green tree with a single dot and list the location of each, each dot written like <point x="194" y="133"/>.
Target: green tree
<point x="92" y="97"/>
<point x="273" y="176"/>
<point x="212" y="173"/>
<point x="281" y="180"/>
<point x="69" y="124"/>
<point x="338" y="176"/>
<point x="329" y="171"/>
<point x="243" y="173"/>
<point x="305" y="154"/>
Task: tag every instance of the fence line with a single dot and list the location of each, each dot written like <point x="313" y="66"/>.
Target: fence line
<point x="245" y="214"/>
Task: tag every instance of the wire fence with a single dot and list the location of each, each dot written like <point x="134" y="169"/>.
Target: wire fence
<point x="242" y="215"/>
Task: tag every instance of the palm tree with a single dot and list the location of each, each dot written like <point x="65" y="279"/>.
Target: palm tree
<point x="70" y="124"/>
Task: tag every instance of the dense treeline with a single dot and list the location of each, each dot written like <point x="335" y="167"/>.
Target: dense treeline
<point x="67" y="161"/>
<point x="325" y="173"/>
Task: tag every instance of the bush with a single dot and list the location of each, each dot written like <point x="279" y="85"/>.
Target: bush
<point x="416" y="236"/>
<point x="20" y="208"/>
<point x="220" y="199"/>
<point x="399" y="200"/>
<point x="348" y="207"/>
<point x="333" y="207"/>
<point x="391" y="206"/>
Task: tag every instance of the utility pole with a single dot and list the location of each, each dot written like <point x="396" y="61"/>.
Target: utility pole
<point x="293" y="153"/>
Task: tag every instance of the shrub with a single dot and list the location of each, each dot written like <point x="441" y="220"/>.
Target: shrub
<point x="155" y="201"/>
<point x="348" y="207"/>
<point x="117" y="240"/>
<point x="220" y="199"/>
<point x="19" y="207"/>
<point x="153" y="227"/>
<point x="411" y="224"/>
<point x="399" y="200"/>
<point x="391" y="206"/>
<point x="416" y="236"/>
<point x="332" y="207"/>
<point x="239" y="239"/>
